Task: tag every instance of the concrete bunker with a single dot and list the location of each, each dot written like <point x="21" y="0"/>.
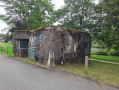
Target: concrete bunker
<point x="55" y="45"/>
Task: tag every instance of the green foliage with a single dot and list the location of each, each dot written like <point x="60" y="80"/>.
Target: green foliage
<point x="108" y="36"/>
<point x="7" y="38"/>
<point x="109" y="32"/>
<point x="76" y="14"/>
<point x="110" y="8"/>
<point x="28" y="14"/>
<point x="2" y="35"/>
<point x="106" y="26"/>
<point x="113" y="52"/>
<point x="107" y="52"/>
<point x="96" y="43"/>
<point x="101" y="20"/>
<point x="99" y="53"/>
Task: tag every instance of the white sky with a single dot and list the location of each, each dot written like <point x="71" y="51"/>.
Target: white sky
<point x="2" y="23"/>
<point x="57" y="3"/>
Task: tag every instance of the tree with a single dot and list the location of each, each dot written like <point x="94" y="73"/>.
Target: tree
<point x="109" y="32"/>
<point x="101" y="20"/>
<point x="28" y="14"/>
<point x="7" y="37"/>
<point x="76" y="14"/>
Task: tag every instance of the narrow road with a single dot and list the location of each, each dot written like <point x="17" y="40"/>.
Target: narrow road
<point x="16" y="75"/>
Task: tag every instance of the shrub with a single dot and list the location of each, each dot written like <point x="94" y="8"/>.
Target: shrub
<point x="113" y="52"/>
<point x="99" y="53"/>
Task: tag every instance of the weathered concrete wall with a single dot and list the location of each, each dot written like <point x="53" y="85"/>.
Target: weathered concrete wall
<point x="20" y="35"/>
<point x="16" y="47"/>
<point x="48" y="45"/>
<point x="59" y="45"/>
<point x="55" y="45"/>
<point x="78" y="44"/>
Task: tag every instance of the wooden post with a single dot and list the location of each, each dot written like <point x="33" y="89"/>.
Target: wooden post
<point x="86" y="64"/>
<point x="1" y="48"/>
<point x="7" y="50"/>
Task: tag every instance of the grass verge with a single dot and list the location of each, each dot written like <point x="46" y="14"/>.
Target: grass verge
<point x="106" y="58"/>
<point x="4" y="49"/>
<point x="27" y="60"/>
<point x="103" y="72"/>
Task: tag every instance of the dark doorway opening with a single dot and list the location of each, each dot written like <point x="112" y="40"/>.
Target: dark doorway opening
<point x="24" y="47"/>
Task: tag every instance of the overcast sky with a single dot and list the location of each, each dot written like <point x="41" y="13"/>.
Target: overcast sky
<point x="2" y="24"/>
<point x="57" y="3"/>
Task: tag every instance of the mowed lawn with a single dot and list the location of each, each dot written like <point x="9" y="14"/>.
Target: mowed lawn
<point x="4" y="49"/>
<point x="106" y="58"/>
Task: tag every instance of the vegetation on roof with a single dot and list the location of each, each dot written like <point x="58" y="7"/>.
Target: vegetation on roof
<point x="75" y="31"/>
<point x="43" y="28"/>
<point x="23" y="30"/>
<point x="72" y="30"/>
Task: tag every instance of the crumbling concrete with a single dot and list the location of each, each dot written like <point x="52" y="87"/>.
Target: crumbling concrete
<point x="56" y="45"/>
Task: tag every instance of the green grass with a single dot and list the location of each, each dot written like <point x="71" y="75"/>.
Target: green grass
<point x="107" y="73"/>
<point x="106" y="58"/>
<point x="4" y="49"/>
<point x="27" y="60"/>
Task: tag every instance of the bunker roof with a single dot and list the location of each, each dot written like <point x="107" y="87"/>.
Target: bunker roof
<point x="23" y="31"/>
<point x="41" y="28"/>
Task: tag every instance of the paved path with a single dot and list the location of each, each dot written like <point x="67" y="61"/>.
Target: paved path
<point x="16" y="75"/>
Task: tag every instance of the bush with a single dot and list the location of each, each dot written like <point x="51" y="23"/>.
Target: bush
<point x="113" y="52"/>
<point x="99" y="53"/>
